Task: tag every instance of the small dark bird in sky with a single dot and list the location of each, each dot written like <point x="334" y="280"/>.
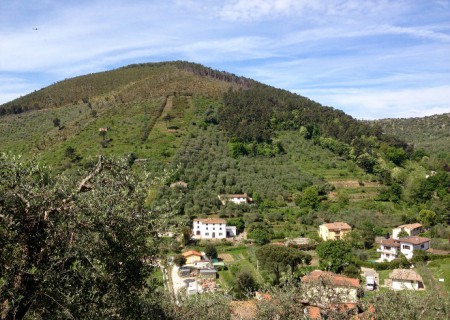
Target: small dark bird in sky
<point x="35" y="29"/>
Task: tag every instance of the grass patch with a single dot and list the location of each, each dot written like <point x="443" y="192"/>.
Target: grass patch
<point x="441" y="270"/>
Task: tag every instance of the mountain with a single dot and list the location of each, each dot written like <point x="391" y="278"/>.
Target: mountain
<point x="127" y="101"/>
<point x="430" y="133"/>
<point x="221" y="133"/>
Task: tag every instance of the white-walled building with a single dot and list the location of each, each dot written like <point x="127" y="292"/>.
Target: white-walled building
<point x="212" y="228"/>
<point x="412" y="229"/>
<point x="234" y="198"/>
<point x="405" y="279"/>
<point x="391" y="248"/>
<point x="409" y="244"/>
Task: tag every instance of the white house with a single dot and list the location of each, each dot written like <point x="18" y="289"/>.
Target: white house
<point x="409" y="244"/>
<point x="212" y="228"/>
<point x="391" y="248"/>
<point x="234" y="198"/>
<point x="412" y="229"/>
<point x="405" y="279"/>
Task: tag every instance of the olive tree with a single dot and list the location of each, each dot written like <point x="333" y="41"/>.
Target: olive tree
<point x="75" y="249"/>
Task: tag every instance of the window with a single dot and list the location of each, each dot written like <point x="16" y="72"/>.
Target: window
<point x="422" y="246"/>
<point x="220" y="233"/>
<point x="406" y="247"/>
<point x="207" y="234"/>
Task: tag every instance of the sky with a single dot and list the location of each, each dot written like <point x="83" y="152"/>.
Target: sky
<point x="372" y="59"/>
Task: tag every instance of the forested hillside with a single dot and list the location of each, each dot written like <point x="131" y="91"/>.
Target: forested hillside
<point x="429" y="133"/>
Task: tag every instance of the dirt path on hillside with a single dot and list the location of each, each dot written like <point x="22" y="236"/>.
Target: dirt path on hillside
<point x="168" y="106"/>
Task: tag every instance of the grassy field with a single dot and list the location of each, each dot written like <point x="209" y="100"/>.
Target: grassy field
<point x="441" y="270"/>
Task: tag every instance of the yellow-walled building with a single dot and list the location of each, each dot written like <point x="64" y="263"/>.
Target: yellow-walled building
<point x="334" y="231"/>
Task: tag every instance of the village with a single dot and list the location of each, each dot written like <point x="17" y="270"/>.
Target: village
<point x="198" y="271"/>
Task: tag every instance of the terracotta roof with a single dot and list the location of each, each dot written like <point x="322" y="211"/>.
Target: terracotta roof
<point x="211" y="220"/>
<point x="410" y="226"/>
<point x="191" y="253"/>
<point x="390" y="242"/>
<point x="414" y="240"/>
<point x="336" y="280"/>
<point x="405" y="274"/>
<point x="337" y="226"/>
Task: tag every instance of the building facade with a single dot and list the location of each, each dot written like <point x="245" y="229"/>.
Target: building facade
<point x="390" y="249"/>
<point x="405" y="279"/>
<point x="212" y="228"/>
<point x="412" y="229"/>
<point x="334" y="231"/>
<point x="234" y="198"/>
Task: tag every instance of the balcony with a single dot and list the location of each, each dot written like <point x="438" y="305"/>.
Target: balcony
<point x="387" y="250"/>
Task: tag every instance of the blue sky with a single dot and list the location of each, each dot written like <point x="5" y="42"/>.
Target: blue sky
<point x="372" y="59"/>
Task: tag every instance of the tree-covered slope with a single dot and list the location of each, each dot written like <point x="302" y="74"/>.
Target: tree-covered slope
<point x="430" y="133"/>
<point x="300" y="160"/>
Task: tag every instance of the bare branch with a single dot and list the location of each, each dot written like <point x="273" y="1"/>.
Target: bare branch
<point x="84" y="186"/>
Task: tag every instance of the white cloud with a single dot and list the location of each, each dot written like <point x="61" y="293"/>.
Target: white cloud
<point x="370" y="104"/>
<point x="323" y="48"/>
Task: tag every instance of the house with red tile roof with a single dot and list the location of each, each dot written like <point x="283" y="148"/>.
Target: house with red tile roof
<point x="192" y="256"/>
<point x="412" y="229"/>
<point x="401" y="279"/>
<point x="334" y="231"/>
<point x="390" y="249"/>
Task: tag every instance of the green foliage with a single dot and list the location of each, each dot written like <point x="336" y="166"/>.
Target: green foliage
<point x="396" y="155"/>
<point x="429" y="135"/>
<point x="276" y="259"/>
<point x="211" y="251"/>
<point x="428" y="217"/>
<point x="246" y="115"/>
<point x="202" y="306"/>
<point x="419" y="256"/>
<point x="260" y="236"/>
<point x="334" y="255"/>
<point x="237" y="222"/>
<point x="367" y="162"/>
<point x="179" y="260"/>
<point x="403" y="234"/>
<point x="310" y="197"/>
<point x="71" y="249"/>
<point x="245" y="284"/>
